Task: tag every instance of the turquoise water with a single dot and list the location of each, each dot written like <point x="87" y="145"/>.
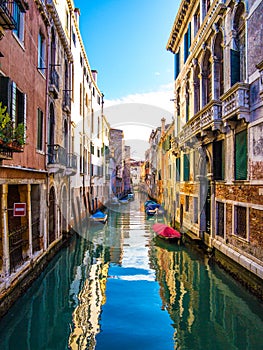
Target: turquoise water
<point x="119" y="287"/>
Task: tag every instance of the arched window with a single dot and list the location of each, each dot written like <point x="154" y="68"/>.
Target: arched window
<point x="207" y="78"/>
<point x="238" y="55"/>
<point x="196" y="88"/>
<point x="51" y="129"/>
<point x="187" y="101"/>
<point x="218" y="66"/>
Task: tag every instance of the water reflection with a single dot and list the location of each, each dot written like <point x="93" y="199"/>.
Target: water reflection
<point x="118" y="287"/>
<point x="208" y="309"/>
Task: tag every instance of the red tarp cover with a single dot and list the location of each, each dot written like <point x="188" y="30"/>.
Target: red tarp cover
<point x="165" y="231"/>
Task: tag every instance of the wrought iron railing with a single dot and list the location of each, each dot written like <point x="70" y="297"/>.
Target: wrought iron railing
<point x="57" y="155"/>
<point x="54" y="78"/>
<point x="7" y="20"/>
<point x="72" y="161"/>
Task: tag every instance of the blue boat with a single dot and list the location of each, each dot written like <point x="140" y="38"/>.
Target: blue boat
<point x="99" y="216"/>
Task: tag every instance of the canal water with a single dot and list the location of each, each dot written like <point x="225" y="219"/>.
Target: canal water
<point x="118" y="287"/>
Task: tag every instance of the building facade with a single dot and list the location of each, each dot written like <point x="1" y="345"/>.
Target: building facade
<point x="218" y="127"/>
<point x="53" y="137"/>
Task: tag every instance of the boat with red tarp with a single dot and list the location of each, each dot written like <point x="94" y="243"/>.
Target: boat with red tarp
<point x="165" y="231"/>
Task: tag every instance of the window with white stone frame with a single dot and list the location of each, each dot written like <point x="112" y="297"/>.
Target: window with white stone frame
<point x="240" y="221"/>
<point x="220" y="219"/>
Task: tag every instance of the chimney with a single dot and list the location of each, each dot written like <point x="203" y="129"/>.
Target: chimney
<point x="163" y="120"/>
<point x="94" y="74"/>
<point x="77" y="14"/>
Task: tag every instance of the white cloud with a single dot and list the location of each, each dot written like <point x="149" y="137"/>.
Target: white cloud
<point x="160" y="98"/>
<point x="157" y="73"/>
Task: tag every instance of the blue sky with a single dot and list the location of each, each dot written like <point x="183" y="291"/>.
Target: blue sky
<point x="126" y="42"/>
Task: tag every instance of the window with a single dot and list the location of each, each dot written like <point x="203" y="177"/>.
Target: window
<point x="241" y="155"/>
<point x="14" y="100"/>
<point x="186" y="203"/>
<point x="80" y="99"/>
<point x="195" y="213"/>
<point x="187" y="42"/>
<point x="178" y="170"/>
<point x="41" y="53"/>
<point x="18" y="16"/>
<point x="219" y="160"/>
<point x="220" y="219"/>
<point x="196" y="21"/>
<point x="186" y="167"/>
<point x="176" y="64"/>
<point x="238" y="53"/>
<point x="39" y="130"/>
<point x="91" y="148"/>
<point x="241" y="221"/>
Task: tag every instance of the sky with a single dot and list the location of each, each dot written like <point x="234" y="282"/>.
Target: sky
<point x="125" y="42"/>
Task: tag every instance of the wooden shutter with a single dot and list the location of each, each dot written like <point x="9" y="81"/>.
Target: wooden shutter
<point x="241" y="155"/>
<point x="178" y="169"/>
<point x="235" y="66"/>
<point x="218" y="160"/>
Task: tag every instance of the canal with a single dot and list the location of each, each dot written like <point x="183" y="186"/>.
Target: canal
<point x="118" y="287"/>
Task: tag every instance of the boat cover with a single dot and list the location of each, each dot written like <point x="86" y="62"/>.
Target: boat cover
<point x="165" y="231"/>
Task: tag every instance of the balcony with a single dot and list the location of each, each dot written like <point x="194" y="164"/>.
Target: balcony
<point x="71" y="164"/>
<point x="208" y="118"/>
<point x="66" y="100"/>
<point x="236" y="102"/>
<point x="57" y="159"/>
<point x="7" y="21"/>
<point x="54" y="82"/>
<point x="7" y="8"/>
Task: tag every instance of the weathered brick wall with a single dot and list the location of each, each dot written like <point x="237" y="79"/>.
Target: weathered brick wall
<point x="228" y="220"/>
<point x="241" y="193"/>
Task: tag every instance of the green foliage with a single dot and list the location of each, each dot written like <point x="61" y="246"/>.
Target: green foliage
<point x="6" y="128"/>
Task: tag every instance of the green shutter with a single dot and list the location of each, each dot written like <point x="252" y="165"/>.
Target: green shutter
<point x="177" y="169"/>
<point x="241" y="156"/>
<point x="235" y="66"/>
<point x="186" y="167"/>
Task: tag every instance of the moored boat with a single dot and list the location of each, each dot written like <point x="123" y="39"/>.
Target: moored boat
<point x="165" y="231"/>
<point x="99" y="216"/>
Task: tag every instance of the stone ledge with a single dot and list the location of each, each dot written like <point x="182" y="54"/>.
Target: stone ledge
<point x="240" y="259"/>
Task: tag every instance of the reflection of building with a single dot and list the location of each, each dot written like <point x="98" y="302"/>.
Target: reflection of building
<point x="204" y="310"/>
<point x="86" y="316"/>
<point x="136" y="167"/>
<point x="116" y="145"/>
<point x="52" y="145"/>
<point x="218" y="126"/>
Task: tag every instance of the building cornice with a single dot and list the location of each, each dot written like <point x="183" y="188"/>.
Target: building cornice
<point x="60" y="30"/>
<point x="71" y="8"/>
<point x="176" y="33"/>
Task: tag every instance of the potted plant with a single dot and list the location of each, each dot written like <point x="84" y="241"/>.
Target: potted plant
<point x="19" y="135"/>
<point x="6" y="127"/>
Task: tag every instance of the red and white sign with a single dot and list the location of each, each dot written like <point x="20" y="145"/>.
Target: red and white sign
<point x="19" y="209"/>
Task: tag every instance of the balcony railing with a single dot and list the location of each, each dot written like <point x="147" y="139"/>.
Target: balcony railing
<point x="66" y="100"/>
<point x="54" y="82"/>
<point x="7" y="9"/>
<point x="57" y="158"/>
<point x="207" y="118"/>
<point x="236" y="102"/>
<point x="72" y="164"/>
<point x="6" y="15"/>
